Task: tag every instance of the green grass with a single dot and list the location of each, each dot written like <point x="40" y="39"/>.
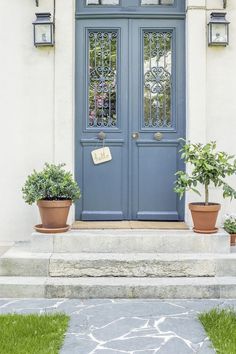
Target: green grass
<point x="32" y="334"/>
<point x="220" y="326"/>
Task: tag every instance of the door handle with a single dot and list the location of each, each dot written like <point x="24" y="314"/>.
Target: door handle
<point x="158" y="136"/>
<point x="101" y="136"/>
<point x="135" y="135"/>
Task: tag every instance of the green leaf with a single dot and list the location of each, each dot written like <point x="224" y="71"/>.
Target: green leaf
<point x="207" y="166"/>
<point x="52" y="183"/>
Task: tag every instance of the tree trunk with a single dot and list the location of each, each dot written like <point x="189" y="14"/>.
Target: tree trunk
<point x="206" y="194"/>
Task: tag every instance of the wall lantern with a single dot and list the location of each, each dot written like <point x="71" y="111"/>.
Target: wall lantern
<point x="43" y="30"/>
<point x="218" y="29"/>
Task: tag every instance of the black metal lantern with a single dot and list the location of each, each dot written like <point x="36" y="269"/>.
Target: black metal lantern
<point x="43" y="30"/>
<point x="218" y="29"/>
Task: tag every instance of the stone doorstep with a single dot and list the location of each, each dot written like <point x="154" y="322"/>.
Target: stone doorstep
<point x="131" y="241"/>
<point x="4" y="246"/>
<point x="20" y="261"/>
<point x="154" y="288"/>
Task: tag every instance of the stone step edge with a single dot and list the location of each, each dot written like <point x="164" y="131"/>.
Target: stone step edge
<point x="15" y="263"/>
<point x="113" y="242"/>
<point x="155" y="288"/>
<point x="128" y="232"/>
<point x="17" y="254"/>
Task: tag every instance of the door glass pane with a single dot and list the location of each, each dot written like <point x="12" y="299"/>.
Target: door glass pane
<point x="102" y="2"/>
<point x="157" y="79"/>
<point x="102" y="87"/>
<point x="157" y="2"/>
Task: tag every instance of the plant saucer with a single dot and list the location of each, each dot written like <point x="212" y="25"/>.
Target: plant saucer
<point x="44" y="230"/>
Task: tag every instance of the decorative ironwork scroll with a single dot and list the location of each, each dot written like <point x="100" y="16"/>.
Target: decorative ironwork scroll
<point x="102" y="86"/>
<point x="157" y="79"/>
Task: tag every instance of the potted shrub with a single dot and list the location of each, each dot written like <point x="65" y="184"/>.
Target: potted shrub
<point x="230" y="227"/>
<point x="208" y="167"/>
<point x="54" y="190"/>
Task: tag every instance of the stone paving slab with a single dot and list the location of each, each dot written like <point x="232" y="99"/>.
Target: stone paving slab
<point x="107" y="326"/>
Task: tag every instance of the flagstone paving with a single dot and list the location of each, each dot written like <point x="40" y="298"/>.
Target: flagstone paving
<point x="127" y="326"/>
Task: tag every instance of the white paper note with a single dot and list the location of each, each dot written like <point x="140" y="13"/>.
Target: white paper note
<point x="101" y="155"/>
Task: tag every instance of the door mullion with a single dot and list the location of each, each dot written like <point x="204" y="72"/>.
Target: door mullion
<point x="130" y="115"/>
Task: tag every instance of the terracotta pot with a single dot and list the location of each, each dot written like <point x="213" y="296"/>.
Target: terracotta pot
<point x="204" y="217"/>
<point x="54" y="213"/>
<point x="232" y="239"/>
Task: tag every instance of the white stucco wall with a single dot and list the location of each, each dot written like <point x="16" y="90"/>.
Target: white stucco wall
<point x="26" y="111"/>
<point x="211" y="104"/>
<point x="221" y="96"/>
<point x="37" y="98"/>
<point x="36" y="105"/>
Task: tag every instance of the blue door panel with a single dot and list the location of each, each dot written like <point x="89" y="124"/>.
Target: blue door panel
<point x="156" y="175"/>
<point x="154" y="163"/>
<point x="103" y="186"/>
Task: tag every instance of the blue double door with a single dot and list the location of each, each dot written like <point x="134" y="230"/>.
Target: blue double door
<point x="130" y="97"/>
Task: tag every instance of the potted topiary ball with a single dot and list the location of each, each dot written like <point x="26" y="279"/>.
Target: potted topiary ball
<point x="230" y="227"/>
<point x="208" y="167"/>
<point x="54" y="190"/>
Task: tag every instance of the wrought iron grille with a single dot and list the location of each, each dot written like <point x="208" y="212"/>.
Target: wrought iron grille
<point x="157" y="48"/>
<point x="102" y="88"/>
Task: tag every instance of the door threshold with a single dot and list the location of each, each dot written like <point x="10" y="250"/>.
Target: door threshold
<point x="161" y="225"/>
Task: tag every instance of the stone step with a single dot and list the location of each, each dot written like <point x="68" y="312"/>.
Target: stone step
<point x="155" y="288"/>
<point x="131" y="241"/>
<point x="20" y="261"/>
<point x="4" y="246"/>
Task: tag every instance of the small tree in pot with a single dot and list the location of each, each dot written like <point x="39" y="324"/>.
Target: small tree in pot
<point x="208" y="167"/>
<point x="54" y="190"/>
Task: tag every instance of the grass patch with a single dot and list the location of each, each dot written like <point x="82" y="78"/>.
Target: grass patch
<point x="220" y="326"/>
<point x="32" y="334"/>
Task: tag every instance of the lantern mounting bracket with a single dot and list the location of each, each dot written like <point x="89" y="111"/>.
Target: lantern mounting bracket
<point x="224" y="4"/>
<point x="37" y="3"/>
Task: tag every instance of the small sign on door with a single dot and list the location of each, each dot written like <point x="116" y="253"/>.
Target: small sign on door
<point x="101" y="155"/>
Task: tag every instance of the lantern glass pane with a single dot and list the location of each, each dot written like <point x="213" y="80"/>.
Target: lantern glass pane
<point x="43" y="34"/>
<point x="219" y="33"/>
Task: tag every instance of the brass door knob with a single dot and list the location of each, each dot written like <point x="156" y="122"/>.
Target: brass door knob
<point x="135" y="135"/>
<point x="158" y="136"/>
<point x="101" y="136"/>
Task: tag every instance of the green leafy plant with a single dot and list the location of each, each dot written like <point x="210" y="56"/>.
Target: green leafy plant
<point x="230" y="223"/>
<point x="52" y="183"/>
<point x="208" y="166"/>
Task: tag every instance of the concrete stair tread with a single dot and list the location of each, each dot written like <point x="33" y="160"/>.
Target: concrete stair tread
<point x="22" y="250"/>
<point x="20" y="261"/>
<point x="136" y="281"/>
<point x="17" y="253"/>
<point x="218" y="287"/>
<point x="131" y="241"/>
